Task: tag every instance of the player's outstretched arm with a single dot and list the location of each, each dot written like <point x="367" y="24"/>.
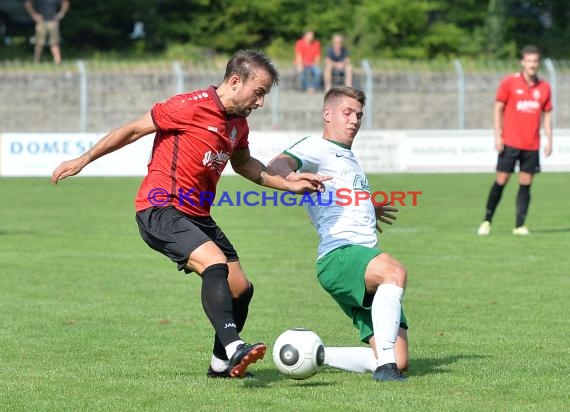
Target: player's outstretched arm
<point x="252" y="169"/>
<point x="118" y="138"/>
<point x="385" y="214"/>
<point x="286" y="166"/>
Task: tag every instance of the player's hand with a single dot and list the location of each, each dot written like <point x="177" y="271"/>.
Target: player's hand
<point x="547" y="148"/>
<point x="385" y="214"/>
<point x="68" y="168"/>
<point x="499" y="145"/>
<point x="311" y="182"/>
<point x="302" y="187"/>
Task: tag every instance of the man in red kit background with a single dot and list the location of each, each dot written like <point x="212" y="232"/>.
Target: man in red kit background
<point x="196" y="134"/>
<point x="521" y="100"/>
<point x="308" y="60"/>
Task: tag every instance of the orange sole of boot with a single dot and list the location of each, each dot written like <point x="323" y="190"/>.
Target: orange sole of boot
<point x="256" y="354"/>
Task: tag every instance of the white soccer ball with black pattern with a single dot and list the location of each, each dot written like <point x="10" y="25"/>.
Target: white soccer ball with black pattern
<point x="298" y="353"/>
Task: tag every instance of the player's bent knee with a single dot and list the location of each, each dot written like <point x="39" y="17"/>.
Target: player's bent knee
<point x="400" y="275"/>
<point x="385" y="269"/>
<point x="204" y="256"/>
<point x="502" y="178"/>
<point x="238" y="282"/>
<point x="525" y="179"/>
<point x="403" y="276"/>
<point x="396" y="274"/>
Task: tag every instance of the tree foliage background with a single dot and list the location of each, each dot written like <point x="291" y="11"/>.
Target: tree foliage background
<point x="414" y="29"/>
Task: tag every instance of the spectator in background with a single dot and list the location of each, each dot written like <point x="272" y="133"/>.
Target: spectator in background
<point x="307" y="61"/>
<point x="338" y="69"/>
<point x="47" y="14"/>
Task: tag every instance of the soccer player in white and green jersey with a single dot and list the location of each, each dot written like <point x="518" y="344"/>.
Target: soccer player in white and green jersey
<point x="368" y="284"/>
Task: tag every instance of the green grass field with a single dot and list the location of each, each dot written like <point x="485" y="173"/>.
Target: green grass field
<point x="92" y="319"/>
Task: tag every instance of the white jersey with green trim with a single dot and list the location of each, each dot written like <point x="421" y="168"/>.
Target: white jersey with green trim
<point x="343" y="214"/>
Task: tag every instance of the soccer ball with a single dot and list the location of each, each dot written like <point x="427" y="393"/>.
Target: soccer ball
<point x="298" y="353"/>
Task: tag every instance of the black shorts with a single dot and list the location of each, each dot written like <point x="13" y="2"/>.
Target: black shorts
<point x="528" y="160"/>
<point x="176" y="235"/>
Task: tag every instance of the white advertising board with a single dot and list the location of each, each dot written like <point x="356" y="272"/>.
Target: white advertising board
<point x="380" y="151"/>
<point x="37" y="154"/>
<point x="441" y="151"/>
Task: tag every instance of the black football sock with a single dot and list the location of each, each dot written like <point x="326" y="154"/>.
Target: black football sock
<point x="240" y="309"/>
<point x="219" y="349"/>
<point x="217" y="302"/>
<point x="494" y="198"/>
<point x="523" y="200"/>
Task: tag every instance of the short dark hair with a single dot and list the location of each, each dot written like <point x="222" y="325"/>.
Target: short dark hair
<point x="530" y="49"/>
<point x="245" y="62"/>
<point x="351" y="92"/>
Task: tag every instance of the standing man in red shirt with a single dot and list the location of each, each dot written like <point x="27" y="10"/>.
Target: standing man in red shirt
<point x="521" y="100"/>
<point x="196" y="134"/>
<point x="307" y="61"/>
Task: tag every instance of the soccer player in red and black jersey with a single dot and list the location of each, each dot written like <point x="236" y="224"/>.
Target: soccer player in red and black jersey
<point x="521" y="100"/>
<point x="196" y="134"/>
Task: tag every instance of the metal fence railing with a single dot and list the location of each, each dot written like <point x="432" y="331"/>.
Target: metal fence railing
<point x="92" y="96"/>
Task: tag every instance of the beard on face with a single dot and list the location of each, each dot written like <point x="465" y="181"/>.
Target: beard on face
<point x="245" y="111"/>
<point x="240" y="111"/>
